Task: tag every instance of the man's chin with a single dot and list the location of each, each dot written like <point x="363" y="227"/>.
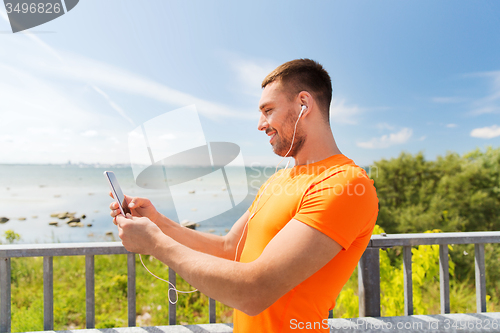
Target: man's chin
<point x="279" y="152"/>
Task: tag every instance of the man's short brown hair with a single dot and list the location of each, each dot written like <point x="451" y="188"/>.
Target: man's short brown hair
<point x="304" y="75"/>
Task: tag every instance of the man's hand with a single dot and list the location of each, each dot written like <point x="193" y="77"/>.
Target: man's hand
<point x="138" y="234"/>
<point x="140" y="207"/>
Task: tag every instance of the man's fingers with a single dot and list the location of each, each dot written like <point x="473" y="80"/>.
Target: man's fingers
<point x="120" y="219"/>
<point x="111" y="194"/>
<point x="136" y="202"/>
<point x="133" y="203"/>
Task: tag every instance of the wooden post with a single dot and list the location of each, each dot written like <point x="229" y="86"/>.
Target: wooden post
<point x="408" y="281"/>
<point x="480" y="278"/>
<point x="5" y="295"/>
<point x="131" y="289"/>
<point x="444" y="279"/>
<point x="172" y="310"/>
<point x="211" y="310"/>
<point x="369" y="283"/>
<point x="48" y="293"/>
<point x="89" y="291"/>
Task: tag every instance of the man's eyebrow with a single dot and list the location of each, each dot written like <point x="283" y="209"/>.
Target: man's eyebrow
<point x="262" y="106"/>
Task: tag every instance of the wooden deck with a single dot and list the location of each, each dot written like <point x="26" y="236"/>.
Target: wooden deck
<point x="452" y="323"/>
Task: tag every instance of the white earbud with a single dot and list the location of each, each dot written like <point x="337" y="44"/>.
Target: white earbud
<point x="302" y="110"/>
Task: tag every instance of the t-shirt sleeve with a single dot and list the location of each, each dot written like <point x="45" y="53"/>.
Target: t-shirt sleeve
<point x="340" y="206"/>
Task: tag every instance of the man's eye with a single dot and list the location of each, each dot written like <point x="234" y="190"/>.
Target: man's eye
<point x="268" y="111"/>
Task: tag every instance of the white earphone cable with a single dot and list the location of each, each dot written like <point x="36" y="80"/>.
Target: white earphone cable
<point x="269" y="183"/>
<point x="170" y="283"/>
<point x="172" y="287"/>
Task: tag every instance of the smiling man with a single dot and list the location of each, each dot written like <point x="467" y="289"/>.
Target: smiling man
<point x="284" y="262"/>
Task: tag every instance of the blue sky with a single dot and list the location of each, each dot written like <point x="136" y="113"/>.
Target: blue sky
<point x="407" y="76"/>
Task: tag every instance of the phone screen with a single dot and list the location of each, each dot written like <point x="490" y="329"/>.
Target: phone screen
<point x="117" y="191"/>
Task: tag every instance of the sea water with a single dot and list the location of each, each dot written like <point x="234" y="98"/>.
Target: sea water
<point x="29" y="194"/>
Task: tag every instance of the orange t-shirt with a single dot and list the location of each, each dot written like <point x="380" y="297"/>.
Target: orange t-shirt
<point x="334" y="196"/>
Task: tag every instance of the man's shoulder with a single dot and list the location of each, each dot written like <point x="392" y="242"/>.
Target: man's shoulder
<point x="348" y="171"/>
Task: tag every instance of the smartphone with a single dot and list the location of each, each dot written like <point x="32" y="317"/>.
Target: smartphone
<point x="117" y="192"/>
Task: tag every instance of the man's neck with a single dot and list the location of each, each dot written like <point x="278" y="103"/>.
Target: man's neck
<point x="317" y="147"/>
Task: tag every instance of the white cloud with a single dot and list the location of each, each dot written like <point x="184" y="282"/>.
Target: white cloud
<point x="342" y="113"/>
<point x="384" y="126"/>
<point x="89" y="133"/>
<point x="486" y="132"/>
<point x="113" y="139"/>
<point x="168" y="137"/>
<point x="251" y="74"/>
<point x="42" y="119"/>
<point x="447" y="100"/>
<point x="388" y="140"/>
<point x="50" y="99"/>
<point x="485" y="109"/>
<point x="113" y="104"/>
<point x="491" y="102"/>
<point x="451" y="125"/>
<point x="85" y="70"/>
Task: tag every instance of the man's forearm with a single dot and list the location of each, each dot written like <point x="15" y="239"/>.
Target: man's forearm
<point x="232" y="283"/>
<point x="200" y="241"/>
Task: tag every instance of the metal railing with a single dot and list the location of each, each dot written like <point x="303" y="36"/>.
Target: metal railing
<point x="89" y="250"/>
<point x="368" y="273"/>
<point x="369" y="267"/>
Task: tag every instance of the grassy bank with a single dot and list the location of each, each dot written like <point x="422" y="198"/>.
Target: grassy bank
<point x="111" y="294"/>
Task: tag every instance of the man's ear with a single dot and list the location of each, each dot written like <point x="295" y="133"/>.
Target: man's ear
<point x="306" y="101"/>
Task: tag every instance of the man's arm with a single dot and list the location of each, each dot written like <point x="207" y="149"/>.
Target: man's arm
<point x="219" y="246"/>
<point x="293" y="255"/>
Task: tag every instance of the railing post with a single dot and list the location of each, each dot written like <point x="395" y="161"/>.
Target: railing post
<point x="408" y="281"/>
<point x="172" y="313"/>
<point x="444" y="279"/>
<point x="211" y="311"/>
<point x="90" y="291"/>
<point x="5" y="295"/>
<point x="369" y="283"/>
<point x="131" y="289"/>
<point x="480" y="278"/>
<point x="48" y="293"/>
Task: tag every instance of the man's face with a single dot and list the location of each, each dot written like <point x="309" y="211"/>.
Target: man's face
<point x="278" y="119"/>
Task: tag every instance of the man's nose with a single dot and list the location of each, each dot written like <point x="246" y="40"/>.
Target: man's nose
<point x="263" y="124"/>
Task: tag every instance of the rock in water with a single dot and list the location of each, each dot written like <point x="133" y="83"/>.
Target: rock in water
<point x="4" y="219"/>
<point x="189" y="224"/>
<point x="74" y="219"/>
<point x="54" y="223"/>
